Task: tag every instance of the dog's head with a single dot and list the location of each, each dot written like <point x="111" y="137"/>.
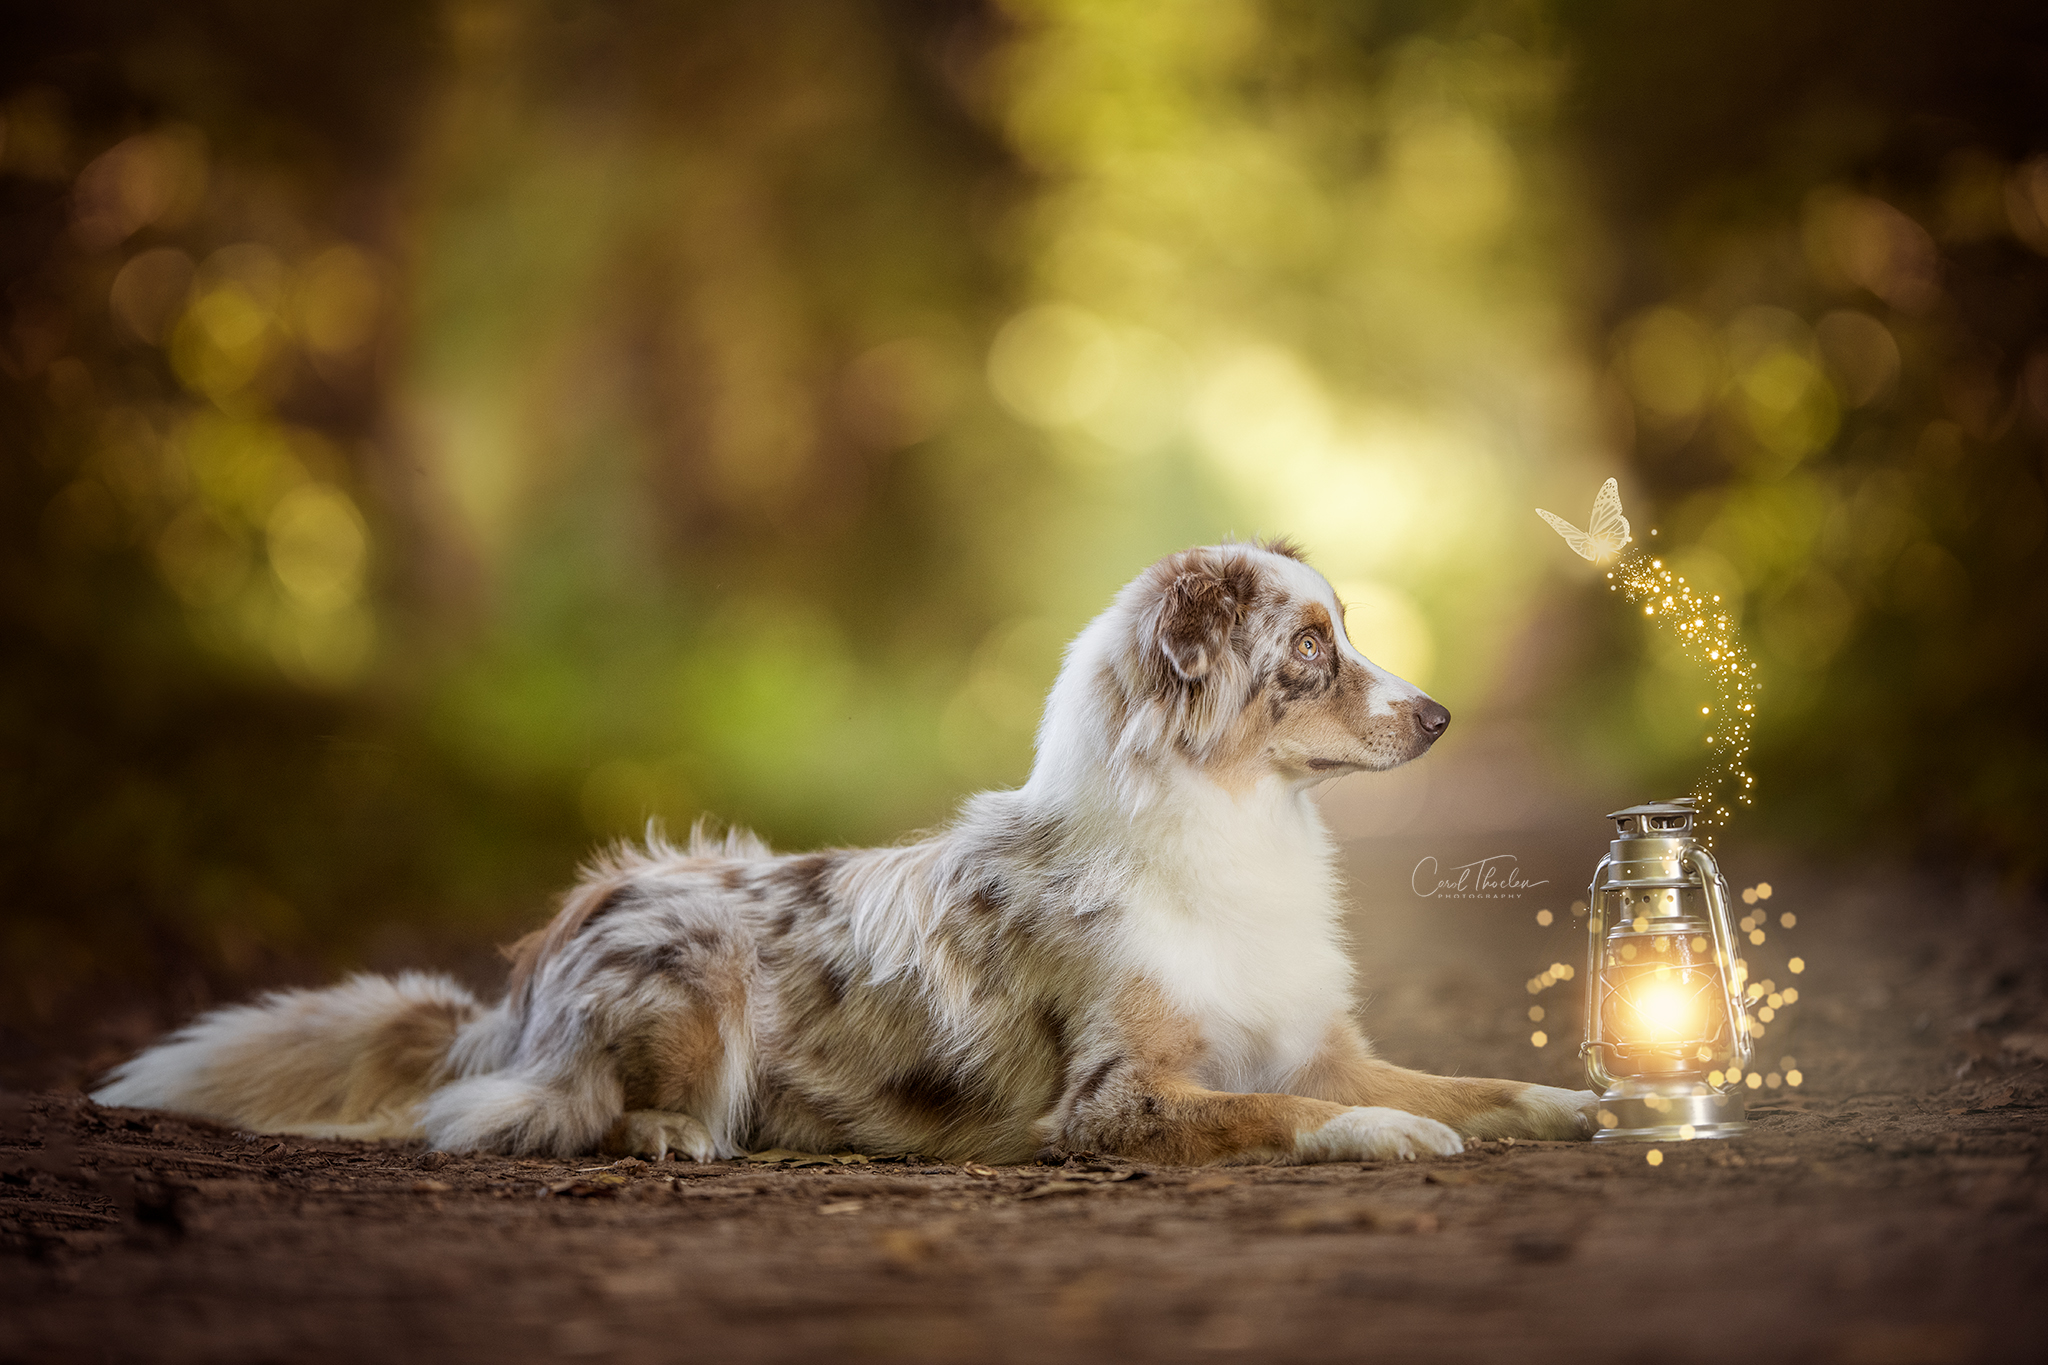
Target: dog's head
<point x="1236" y="658"/>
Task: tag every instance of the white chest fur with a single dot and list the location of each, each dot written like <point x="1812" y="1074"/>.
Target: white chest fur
<point x="1235" y="920"/>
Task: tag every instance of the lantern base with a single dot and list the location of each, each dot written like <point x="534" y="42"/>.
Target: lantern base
<point x="1638" y="1109"/>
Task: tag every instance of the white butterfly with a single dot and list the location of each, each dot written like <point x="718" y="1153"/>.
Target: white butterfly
<point x="1606" y="530"/>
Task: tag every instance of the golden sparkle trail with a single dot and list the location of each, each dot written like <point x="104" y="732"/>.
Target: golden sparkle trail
<point x="1707" y="636"/>
<point x="1705" y="633"/>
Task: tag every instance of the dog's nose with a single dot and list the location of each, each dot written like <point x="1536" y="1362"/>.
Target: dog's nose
<point x="1432" y="719"/>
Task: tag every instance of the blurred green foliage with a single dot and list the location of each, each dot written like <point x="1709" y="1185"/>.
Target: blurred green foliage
<point x="438" y="437"/>
<point x="1824" y="278"/>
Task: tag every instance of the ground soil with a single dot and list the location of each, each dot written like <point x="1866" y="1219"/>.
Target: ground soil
<point x="1891" y="1210"/>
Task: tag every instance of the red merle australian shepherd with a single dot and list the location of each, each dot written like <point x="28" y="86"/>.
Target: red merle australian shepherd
<point x="1138" y="952"/>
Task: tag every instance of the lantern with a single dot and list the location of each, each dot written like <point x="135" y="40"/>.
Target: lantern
<point x="1663" y="988"/>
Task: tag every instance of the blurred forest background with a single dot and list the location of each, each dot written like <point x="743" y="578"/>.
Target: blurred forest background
<point x="438" y="436"/>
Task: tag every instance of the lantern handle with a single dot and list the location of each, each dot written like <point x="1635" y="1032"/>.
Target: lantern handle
<point x="1596" y="937"/>
<point x="1721" y="918"/>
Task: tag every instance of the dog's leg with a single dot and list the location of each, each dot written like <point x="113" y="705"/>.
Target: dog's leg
<point x="1129" y="1109"/>
<point x="1345" y="1071"/>
<point x="1131" y="1093"/>
<point x="653" y="1133"/>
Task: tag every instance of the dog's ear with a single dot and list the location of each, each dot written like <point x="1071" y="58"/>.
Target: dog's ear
<point x="1195" y="618"/>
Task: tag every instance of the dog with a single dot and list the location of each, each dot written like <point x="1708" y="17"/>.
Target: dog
<point x="1138" y="952"/>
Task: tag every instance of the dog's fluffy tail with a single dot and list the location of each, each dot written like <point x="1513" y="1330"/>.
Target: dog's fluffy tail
<point x="354" y="1060"/>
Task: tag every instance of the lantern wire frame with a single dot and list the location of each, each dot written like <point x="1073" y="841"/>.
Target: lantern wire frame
<point x="1719" y="919"/>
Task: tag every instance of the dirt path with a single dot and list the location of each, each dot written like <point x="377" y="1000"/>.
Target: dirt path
<point x="1875" y="1229"/>
<point x="1890" y="1212"/>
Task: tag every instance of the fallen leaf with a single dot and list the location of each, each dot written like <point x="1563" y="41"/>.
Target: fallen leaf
<point x="1057" y="1187"/>
<point x="787" y="1156"/>
<point x="977" y="1170"/>
<point x="905" y="1247"/>
<point x="1330" y="1218"/>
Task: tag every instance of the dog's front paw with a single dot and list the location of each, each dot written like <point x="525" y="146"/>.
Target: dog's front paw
<point x="653" y="1133"/>
<point x="1367" y="1133"/>
<point x="1549" y="1113"/>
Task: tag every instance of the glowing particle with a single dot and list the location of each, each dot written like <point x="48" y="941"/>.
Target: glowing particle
<point x="1749" y="895"/>
<point x="1734" y="1074"/>
<point x="1788" y="919"/>
<point x="1793" y="1077"/>
<point x="1534" y="985"/>
<point x="1791" y="994"/>
<point x="1756" y="936"/>
<point x="1654" y="1157"/>
<point x="1535" y="1014"/>
<point x="1642" y="924"/>
<point x="1543" y="918"/>
<point x="1699" y="944"/>
<point x="1686" y="1132"/>
<point x="1539" y="1038"/>
<point x="1796" y="965"/>
<point x="1753" y="1081"/>
<point x="1763" y="891"/>
<point x="1775" y="1000"/>
<point x="1715" y="1078"/>
<point x="1767" y="1014"/>
<point x="1787" y="1062"/>
<point x="1774" y="1080"/>
<point x="1607" y="1119"/>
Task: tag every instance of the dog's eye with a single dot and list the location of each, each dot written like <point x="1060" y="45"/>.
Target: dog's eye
<point x="1307" y="646"/>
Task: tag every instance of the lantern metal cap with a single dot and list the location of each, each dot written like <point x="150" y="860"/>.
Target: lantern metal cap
<point x="1667" y="819"/>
